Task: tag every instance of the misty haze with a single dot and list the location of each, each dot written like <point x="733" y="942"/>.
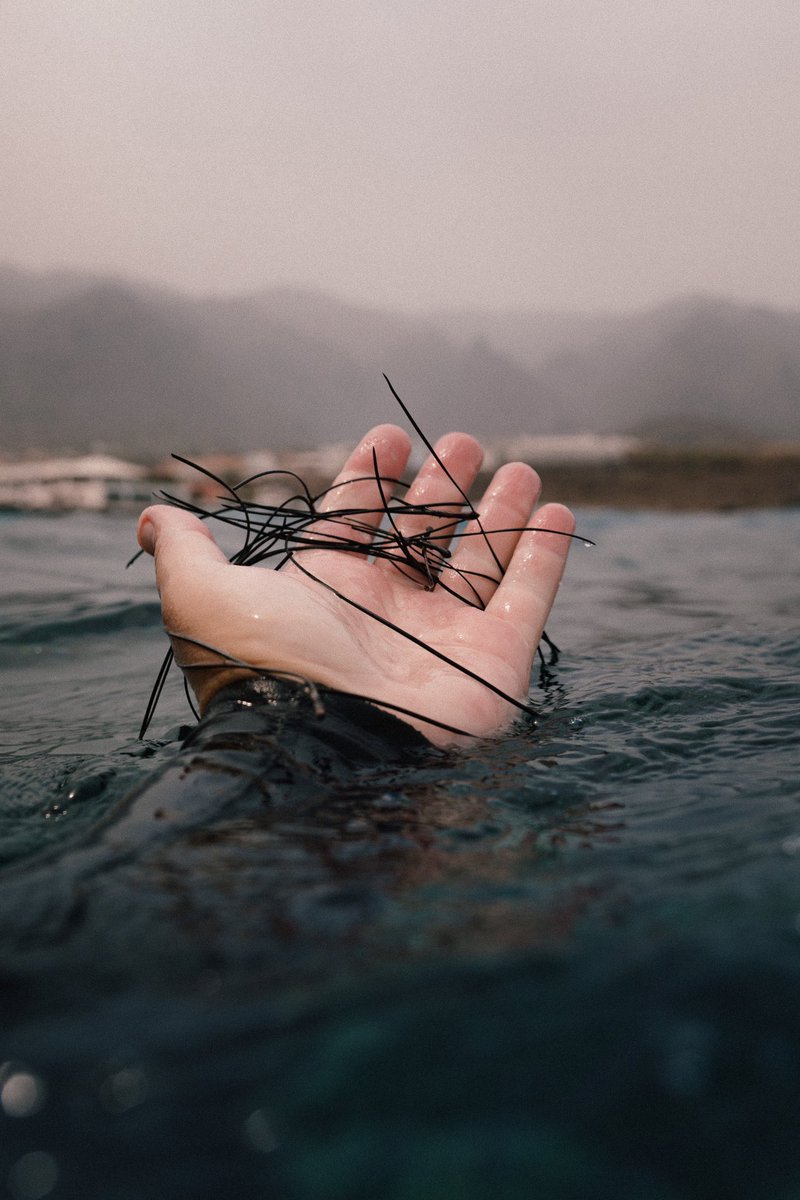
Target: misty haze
<point x="87" y="362"/>
<point x="223" y="223"/>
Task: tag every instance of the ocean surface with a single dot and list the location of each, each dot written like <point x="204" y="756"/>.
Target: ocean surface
<point x="565" y="964"/>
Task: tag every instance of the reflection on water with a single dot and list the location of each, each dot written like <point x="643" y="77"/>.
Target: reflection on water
<point x="562" y="964"/>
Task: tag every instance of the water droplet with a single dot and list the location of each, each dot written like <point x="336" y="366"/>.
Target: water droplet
<point x="259" y="1132"/>
<point x="54" y="812"/>
<point x="123" y="1090"/>
<point x="21" y="1092"/>
<point x="33" y="1176"/>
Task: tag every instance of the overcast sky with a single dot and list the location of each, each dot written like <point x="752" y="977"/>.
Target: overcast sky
<point x="560" y="154"/>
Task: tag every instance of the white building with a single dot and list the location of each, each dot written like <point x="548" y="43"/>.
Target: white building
<point x="564" y="449"/>
<point x="96" y="482"/>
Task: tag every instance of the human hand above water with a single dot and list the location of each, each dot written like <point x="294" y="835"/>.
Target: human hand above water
<point x="292" y="621"/>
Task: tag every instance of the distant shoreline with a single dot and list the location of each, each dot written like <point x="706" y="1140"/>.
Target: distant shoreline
<point x="655" y="478"/>
<point x="710" y="481"/>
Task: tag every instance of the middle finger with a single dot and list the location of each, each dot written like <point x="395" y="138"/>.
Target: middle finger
<point x="424" y="522"/>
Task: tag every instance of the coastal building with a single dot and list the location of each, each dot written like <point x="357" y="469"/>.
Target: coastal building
<point x="570" y="448"/>
<point x="94" y="482"/>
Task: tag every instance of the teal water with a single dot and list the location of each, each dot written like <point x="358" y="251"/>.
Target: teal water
<point x="566" y="964"/>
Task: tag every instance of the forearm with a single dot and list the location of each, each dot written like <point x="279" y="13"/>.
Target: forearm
<point x="325" y="733"/>
<point x="278" y="741"/>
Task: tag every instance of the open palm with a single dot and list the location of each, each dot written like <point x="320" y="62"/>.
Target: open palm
<point x="404" y="637"/>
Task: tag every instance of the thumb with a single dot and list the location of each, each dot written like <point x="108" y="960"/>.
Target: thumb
<point x="180" y="544"/>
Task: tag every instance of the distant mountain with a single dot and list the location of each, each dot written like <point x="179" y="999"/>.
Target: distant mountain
<point x="87" y="361"/>
<point x="680" y="370"/>
<point x="530" y="336"/>
<point x="27" y="289"/>
<point x="446" y="384"/>
<point x="146" y="371"/>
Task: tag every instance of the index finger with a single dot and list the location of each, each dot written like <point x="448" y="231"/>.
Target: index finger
<point x="352" y="508"/>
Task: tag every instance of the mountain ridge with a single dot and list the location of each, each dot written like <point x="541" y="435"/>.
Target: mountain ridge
<point x="93" y="360"/>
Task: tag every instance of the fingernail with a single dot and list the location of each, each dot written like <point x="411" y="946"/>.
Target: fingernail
<point x="147" y="535"/>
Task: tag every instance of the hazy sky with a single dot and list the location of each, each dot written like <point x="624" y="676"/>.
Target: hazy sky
<point x="553" y="153"/>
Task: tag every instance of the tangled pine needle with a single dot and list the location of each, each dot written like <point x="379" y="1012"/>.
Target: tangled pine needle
<point x="276" y="534"/>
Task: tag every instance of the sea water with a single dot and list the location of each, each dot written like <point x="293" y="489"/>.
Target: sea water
<point x="562" y="964"/>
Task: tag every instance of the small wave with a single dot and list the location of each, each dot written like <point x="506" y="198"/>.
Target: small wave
<point x="82" y="620"/>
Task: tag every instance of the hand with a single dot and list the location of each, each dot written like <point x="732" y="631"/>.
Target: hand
<point x="287" y="622"/>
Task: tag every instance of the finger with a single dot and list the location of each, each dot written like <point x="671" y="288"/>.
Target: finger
<point x="189" y="569"/>
<point x="181" y="546"/>
<point x="528" y="588"/>
<point x="486" y="546"/>
<point x="356" y="494"/>
<point x="440" y="488"/>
